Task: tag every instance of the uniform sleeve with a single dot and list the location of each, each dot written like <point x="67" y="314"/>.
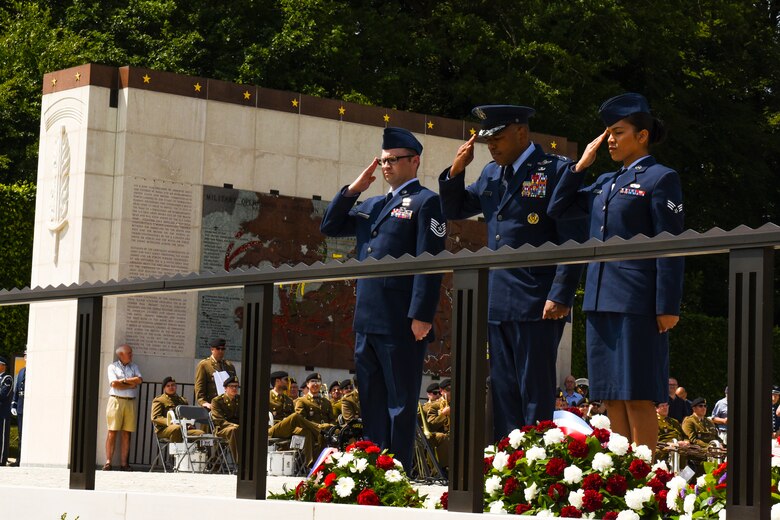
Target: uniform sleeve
<point x="569" y="200"/>
<point x="299" y="406"/>
<point x="573" y="227"/>
<point x="338" y="220"/>
<point x="217" y="413"/>
<point x="431" y="236"/>
<point x="689" y="430"/>
<point x="667" y="215"/>
<point x="6" y="387"/>
<point x="348" y="410"/>
<point x="457" y="201"/>
<point x="200" y="384"/>
<point x="158" y="413"/>
<point x="436" y="422"/>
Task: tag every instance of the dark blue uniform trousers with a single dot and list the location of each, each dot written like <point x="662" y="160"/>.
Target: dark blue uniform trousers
<point x="522" y="372"/>
<point x="389" y="374"/>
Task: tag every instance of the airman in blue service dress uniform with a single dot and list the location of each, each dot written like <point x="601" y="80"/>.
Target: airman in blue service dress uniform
<point x="393" y="316"/>
<point x="6" y="396"/>
<point x="630" y="304"/>
<point x="528" y="307"/>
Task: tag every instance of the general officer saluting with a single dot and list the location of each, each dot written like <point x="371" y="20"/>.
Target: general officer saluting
<point x="393" y="316"/>
<point x="528" y="306"/>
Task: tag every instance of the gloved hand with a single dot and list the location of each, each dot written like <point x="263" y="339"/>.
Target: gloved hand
<point x="14" y="412"/>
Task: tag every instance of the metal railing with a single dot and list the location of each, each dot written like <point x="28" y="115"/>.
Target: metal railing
<point x="751" y="254"/>
<point x="143" y="447"/>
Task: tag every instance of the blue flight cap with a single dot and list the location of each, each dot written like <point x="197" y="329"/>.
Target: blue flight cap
<point x="622" y="106"/>
<point x="3" y="361"/>
<point x="400" y="138"/>
<point x="495" y="118"/>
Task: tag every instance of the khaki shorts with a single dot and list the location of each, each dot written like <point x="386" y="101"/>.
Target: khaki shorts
<point x="120" y="414"/>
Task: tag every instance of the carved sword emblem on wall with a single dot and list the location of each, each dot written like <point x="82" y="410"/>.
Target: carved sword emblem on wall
<point x="58" y="208"/>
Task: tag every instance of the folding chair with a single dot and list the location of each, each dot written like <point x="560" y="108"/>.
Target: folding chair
<point x="197" y="415"/>
<point x="163" y="452"/>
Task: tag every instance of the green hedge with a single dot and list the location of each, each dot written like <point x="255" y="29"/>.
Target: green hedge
<point x="16" y="227"/>
<point x="698" y="353"/>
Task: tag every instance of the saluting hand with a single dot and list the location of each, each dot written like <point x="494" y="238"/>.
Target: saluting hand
<point x="589" y="155"/>
<point x="463" y="157"/>
<point x="666" y="322"/>
<point x="554" y="311"/>
<point x="364" y="180"/>
<point x="420" y="329"/>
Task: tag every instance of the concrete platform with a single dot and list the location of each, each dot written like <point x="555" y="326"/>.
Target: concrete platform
<point x="34" y="493"/>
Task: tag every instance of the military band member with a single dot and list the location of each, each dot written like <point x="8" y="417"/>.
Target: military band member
<point x="334" y="393"/>
<point x="225" y="410"/>
<point x="287" y="422"/>
<point x="350" y="403"/>
<point x="393" y="315"/>
<point x="439" y="423"/>
<point x="313" y="406"/>
<point x="668" y="428"/>
<point x="630" y="305"/>
<point x="698" y="428"/>
<point x="164" y="403"/>
<point x="434" y="394"/>
<point x="205" y="386"/>
<point x="528" y="307"/>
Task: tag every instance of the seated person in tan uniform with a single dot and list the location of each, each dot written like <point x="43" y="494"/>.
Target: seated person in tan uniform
<point x="288" y="422"/>
<point x="164" y="403"/>
<point x="225" y="411"/>
<point x="350" y="402"/>
<point x="439" y="423"/>
<point x="314" y="407"/>
<point x="699" y="429"/>
<point x="205" y="387"/>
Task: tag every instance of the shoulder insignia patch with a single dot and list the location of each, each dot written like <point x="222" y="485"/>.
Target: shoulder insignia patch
<point x="438" y="229"/>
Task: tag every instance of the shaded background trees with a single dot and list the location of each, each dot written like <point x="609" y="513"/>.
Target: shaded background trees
<point x="711" y="69"/>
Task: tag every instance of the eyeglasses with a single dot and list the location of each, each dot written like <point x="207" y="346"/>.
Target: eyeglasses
<point x="436" y="392"/>
<point x="233" y="386"/>
<point x="392" y="159"/>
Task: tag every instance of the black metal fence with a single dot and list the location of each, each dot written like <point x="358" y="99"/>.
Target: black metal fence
<point x="143" y="447"/>
<point x="751" y="254"/>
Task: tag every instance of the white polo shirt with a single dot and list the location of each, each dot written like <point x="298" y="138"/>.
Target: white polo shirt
<point x="116" y="372"/>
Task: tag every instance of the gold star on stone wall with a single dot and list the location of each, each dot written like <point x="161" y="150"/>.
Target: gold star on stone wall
<point x="430" y="125"/>
<point x="77" y="76"/>
<point x="197" y="87"/>
<point x="147" y="78"/>
<point x="553" y="145"/>
<point x="294" y="103"/>
<point x="54" y="82"/>
<point x="247" y="95"/>
<point x="342" y="111"/>
<point x="386" y="118"/>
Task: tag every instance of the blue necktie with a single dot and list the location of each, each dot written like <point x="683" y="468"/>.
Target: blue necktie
<point x="506" y="177"/>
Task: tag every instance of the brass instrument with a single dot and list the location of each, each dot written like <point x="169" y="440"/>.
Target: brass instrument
<point x="424" y="421"/>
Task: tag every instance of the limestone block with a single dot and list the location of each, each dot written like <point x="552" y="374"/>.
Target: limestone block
<point x="277" y="132"/>
<point x="438" y="154"/>
<point x="95" y="240"/>
<point x="318" y="138"/>
<point x="154" y="157"/>
<point x="100" y="148"/>
<point x="228" y="164"/>
<point x="161" y="115"/>
<point x="316" y="177"/>
<point x="229" y="124"/>
<point x="275" y="172"/>
<point x="98" y="196"/>
<point x="359" y="144"/>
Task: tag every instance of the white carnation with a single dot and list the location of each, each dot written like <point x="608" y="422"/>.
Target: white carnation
<point x="515" y="438"/>
<point x="722" y="514"/>
<point x="393" y="475"/>
<point x="661" y="464"/>
<point x="553" y="436"/>
<point x="602" y="462"/>
<point x="671" y="501"/>
<point x="545" y="513"/>
<point x="535" y="453"/>
<point x="701" y="481"/>
<point x="430" y="502"/>
<point x="618" y="444"/>
<point x="398" y="464"/>
<point x="676" y="484"/>
<point x="344" y="486"/>
<point x="490" y="450"/>
<point x="643" y="452"/>
<point x="575" y="498"/>
<point x="775" y="462"/>
<point x="497" y="507"/>
<point x="345" y="459"/>
<point x="493" y="484"/>
<point x="601" y="422"/>
<point x="774" y="513"/>
<point x="500" y="460"/>
<point x="627" y="515"/>
<point x="530" y="492"/>
<point x="689" y="503"/>
<point x="636" y="498"/>
<point x="685" y="517"/>
<point x="572" y="475"/>
<point x="359" y="466"/>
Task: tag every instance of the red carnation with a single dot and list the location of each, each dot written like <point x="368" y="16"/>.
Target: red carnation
<point x="639" y="468"/>
<point x="527" y="428"/>
<point x="299" y="489"/>
<point x="611" y="515"/>
<point x="601" y="434"/>
<point x="573" y="409"/>
<point x="663" y="475"/>
<point x="323" y="495"/>
<point x="514" y="457"/>
<point x="329" y="479"/>
<point x="656" y="485"/>
<point x="522" y="508"/>
<point x="592" y="500"/>
<point x="488" y="463"/>
<point x="555" y="467"/>
<point x="510" y="486"/>
<point x="722" y="467"/>
<point x="557" y="491"/>
<point x="373" y="449"/>
<point x="570" y="512"/>
<point x="360" y="445"/>
<point x="660" y="497"/>
<point x="578" y="448"/>
<point x="368" y="497"/>
<point x="543" y="426"/>
<point x="385" y="462"/>
<point x="444" y="500"/>
<point x="720" y="486"/>
<point x="617" y="485"/>
<point x="502" y="444"/>
<point x="592" y="481"/>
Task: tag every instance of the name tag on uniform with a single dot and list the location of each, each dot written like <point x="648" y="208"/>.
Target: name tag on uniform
<point x="632" y="191"/>
<point x="403" y="213"/>
<point x="363" y="215"/>
<point x="487" y="193"/>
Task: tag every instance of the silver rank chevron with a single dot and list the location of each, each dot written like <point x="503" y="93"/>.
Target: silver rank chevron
<point x="438" y="229"/>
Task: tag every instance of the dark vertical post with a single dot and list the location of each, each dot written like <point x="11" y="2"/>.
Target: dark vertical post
<point x="469" y="374"/>
<point x="86" y="385"/>
<point x="255" y="371"/>
<point x="751" y="279"/>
